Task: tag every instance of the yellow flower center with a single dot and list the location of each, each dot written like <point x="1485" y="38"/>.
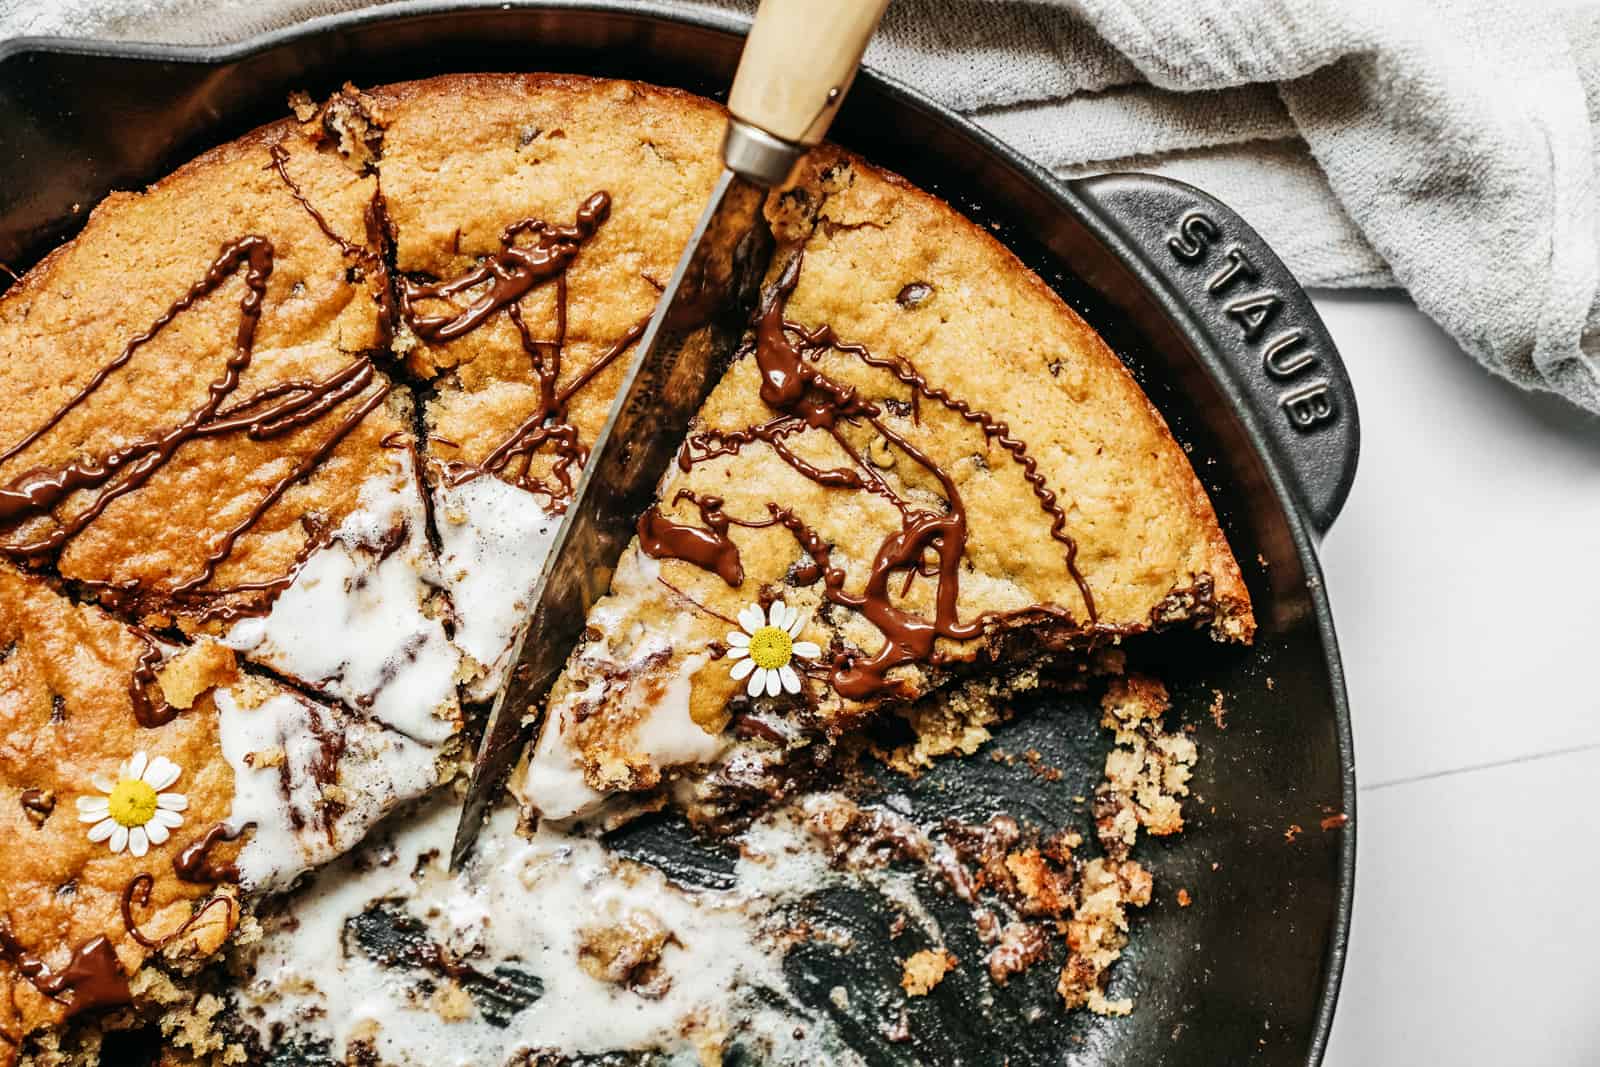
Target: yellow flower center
<point x="133" y="802"/>
<point x="770" y="647"/>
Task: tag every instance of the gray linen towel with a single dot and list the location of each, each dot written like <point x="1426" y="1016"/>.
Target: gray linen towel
<point x="1446" y="146"/>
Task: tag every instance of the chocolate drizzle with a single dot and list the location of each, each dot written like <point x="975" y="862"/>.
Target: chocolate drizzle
<point x="195" y="863"/>
<point x="139" y="886"/>
<point x="268" y="413"/>
<point x="710" y="548"/>
<point x="505" y="278"/>
<point x="28" y="500"/>
<point x="929" y="543"/>
<point x="150" y="710"/>
<point x="93" y="976"/>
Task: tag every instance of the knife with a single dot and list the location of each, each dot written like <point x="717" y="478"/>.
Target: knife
<point x="798" y="61"/>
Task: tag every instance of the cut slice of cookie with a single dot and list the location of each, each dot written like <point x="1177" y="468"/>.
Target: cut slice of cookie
<point x="147" y="792"/>
<point x="921" y="461"/>
<point x="535" y="219"/>
<point x="214" y="446"/>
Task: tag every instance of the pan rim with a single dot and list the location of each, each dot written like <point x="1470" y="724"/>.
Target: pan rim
<point x="1059" y="193"/>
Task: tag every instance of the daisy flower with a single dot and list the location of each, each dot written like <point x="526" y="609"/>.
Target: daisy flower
<point x="135" y="813"/>
<point x="766" y="647"/>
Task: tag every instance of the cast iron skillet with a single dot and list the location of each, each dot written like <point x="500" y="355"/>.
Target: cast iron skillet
<point x="1217" y="332"/>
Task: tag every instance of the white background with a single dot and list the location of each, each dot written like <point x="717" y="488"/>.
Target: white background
<point x="1465" y="580"/>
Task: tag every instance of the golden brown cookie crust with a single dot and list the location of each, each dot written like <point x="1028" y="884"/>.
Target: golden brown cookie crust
<point x="65" y="717"/>
<point x="465" y="156"/>
<point x="140" y="253"/>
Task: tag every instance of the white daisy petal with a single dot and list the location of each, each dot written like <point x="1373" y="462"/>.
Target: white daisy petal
<point x="738" y="639"/>
<point x="738" y="653"/>
<point x="134" y="768"/>
<point x="807" y="649"/>
<point x="88" y="804"/>
<point x="119" y="837"/>
<point x="102" y="783"/>
<point x="102" y="830"/>
<point x="161" y="773"/>
<point x="94" y="816"/>
<point x="166" y="818"/>
<point x="791" y="680"/>
<point x="138" y="841"/>
<point x="742" y="668"/>
<point x="777" y="614"/>
<point x="796" y="623"/>
<point x="173" y="801"/>
<point x="156" y="832"/>
<point x="758" y="682"/>
<point x="751" y="618"/>
<point x="774" y="684"/>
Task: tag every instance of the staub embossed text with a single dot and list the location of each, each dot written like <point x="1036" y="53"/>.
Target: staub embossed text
<point x="1287" y="349"/>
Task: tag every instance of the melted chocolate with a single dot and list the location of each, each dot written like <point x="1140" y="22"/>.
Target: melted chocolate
<point x="150" y="710"/>
<point x="505" y="278"/>
<point x="511" y="274"/>
<point x="38" y="803"/>
<point x="369" y="256"/>
<point x="37" y="491"/>
<point x="93" y="976"/>
<point x="710" y="548"/>
<point x="270" y="412"/>
<point x="195" y="863"/>
<point x="929" y="543"/>
<point x="139" y="886"/>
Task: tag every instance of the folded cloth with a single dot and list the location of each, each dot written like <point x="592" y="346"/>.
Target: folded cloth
<point x="1446" y="146"/>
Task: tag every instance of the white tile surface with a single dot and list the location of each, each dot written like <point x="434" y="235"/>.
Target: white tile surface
<point x="1465" y="578"/>
<point x="1465" y="570"/>
<point x="1477" y="934"/>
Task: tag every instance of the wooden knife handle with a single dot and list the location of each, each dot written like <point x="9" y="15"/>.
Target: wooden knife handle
<point x="798" y="61"/>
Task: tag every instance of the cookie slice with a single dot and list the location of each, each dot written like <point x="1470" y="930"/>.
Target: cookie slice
<point x="199" y="431"/>
<point x="148" y="792"/>
<point x="921" y="463"/>
<point x="535" y="219"/>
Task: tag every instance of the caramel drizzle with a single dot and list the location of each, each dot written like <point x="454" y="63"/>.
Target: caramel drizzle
<point x="139" y="886"/>
<point x="506" y="277"/>
<point x="806" y="398"/>
<point x="93" y="976"/>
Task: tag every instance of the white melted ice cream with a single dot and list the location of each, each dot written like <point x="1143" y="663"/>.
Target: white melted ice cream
<point x="551" y="782"/>
<point x="493" y="541"/>
<point x="290" y="758"/>
<point x="526" y="902"/>
<point x="353" y="623"/>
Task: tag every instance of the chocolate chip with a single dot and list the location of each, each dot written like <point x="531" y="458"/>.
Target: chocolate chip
<point x="38" y="803"/>
<point x="914" y="294"/>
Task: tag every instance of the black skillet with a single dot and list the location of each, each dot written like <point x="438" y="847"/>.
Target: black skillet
<point x="1213" y="326"/>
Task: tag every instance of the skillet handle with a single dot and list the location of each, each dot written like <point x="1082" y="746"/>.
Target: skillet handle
<point x="1237" y="299"/>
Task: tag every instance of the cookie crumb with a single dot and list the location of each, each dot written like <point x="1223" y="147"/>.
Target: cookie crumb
<point x="925" y="970"/>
